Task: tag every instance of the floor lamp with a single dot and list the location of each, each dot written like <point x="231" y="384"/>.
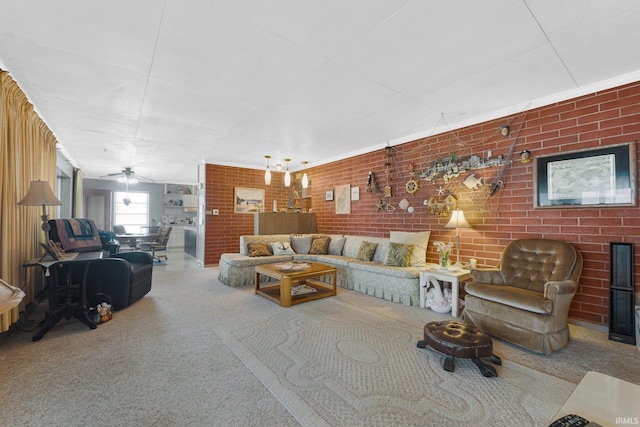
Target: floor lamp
<point x="458" y="221"/>
<point x="40" y="194"/>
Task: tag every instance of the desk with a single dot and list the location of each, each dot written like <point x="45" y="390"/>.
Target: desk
<point x="433" y="275"/>
<point x="66" y="298"/>
<point x="605" y="400"/>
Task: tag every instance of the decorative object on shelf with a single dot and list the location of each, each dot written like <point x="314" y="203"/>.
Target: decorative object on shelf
<point x="248" y="200"/>
<point x="605" y="176"/>
<point x="40" y="194"/>
<point x="305" y="177"/>
<point x="444" y="249"/>
<point x="457" y="221"/>
<point x="267" y="172"/>
<point x="287" y="174"/>
<point x="437" y="207"/>
<point x="294" y="201"/>
<point x="525" y="156"/>
<point x="343" y="199"/>
<point x="453" y="166"/>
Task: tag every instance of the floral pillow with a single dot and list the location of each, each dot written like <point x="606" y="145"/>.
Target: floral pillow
<point x="320" y="246"/>
<point x="399" y="255"/>
<point x="282" y="248"/>
<point x="366" y="251"/>
<point x="259" y="249"/>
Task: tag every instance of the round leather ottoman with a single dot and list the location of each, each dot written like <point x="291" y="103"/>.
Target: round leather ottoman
<point x="457" y="339"/>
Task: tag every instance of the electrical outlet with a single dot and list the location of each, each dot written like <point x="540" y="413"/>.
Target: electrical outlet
<point x="215" y="212"/>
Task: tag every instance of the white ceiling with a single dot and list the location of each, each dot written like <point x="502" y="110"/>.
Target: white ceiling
<point x="161" y="85"/>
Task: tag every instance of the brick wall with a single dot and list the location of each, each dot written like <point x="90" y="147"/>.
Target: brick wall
<point x="599" y="119"/>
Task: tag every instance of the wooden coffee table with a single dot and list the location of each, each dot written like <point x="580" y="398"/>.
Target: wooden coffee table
<point x="295" y="275"/>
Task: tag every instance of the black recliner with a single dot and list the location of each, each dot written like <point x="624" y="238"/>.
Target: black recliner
<point x="125" y="277"/>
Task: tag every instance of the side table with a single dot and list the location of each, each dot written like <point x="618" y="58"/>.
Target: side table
<point x="433" y="275"/>
<point x="66" y="298"/>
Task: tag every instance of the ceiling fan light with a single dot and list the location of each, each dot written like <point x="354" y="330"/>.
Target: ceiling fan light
<point x="122" y="179"/>
<point x="133" y="180"/>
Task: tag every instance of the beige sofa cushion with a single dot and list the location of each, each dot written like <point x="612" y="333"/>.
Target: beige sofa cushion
<point x="420" y="242"/>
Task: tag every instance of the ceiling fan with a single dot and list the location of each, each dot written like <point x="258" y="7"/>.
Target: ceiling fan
<point x="128" y="176"/>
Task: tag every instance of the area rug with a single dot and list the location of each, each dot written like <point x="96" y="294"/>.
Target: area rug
<point x="334" y="364"/>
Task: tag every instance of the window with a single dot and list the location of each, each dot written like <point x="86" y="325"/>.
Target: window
<point x="131" y="210"/>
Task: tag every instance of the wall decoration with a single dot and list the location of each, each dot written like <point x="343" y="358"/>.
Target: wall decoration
<point x="441" y="207"/>
<point x="601" y="176"/>
<point x="355" y="193"/>
<point x="328" y="195"/>
<point x="343" y="199"/>
<point x="248" y="200"/>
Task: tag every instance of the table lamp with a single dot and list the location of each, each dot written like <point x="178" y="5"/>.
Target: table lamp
<point x="40" y="194"/>
<point x="457" y="221"/>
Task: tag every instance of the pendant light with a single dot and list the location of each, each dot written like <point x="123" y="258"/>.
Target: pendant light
<point x="305" y="178"/>
<point x="267" y="173"/>
<point x="287" y="175"/>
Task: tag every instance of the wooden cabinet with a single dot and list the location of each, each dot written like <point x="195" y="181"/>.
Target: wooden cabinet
<point x="284" y="223"/>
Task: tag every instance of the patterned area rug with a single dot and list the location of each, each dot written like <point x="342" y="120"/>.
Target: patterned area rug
<point x="334" y="364"/>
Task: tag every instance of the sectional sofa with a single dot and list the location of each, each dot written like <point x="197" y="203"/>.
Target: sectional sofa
<point x="394" y="283"/>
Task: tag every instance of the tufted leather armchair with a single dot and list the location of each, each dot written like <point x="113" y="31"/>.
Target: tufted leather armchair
<point x="526" y="299"/>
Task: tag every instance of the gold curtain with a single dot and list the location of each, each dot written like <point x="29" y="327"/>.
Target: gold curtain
<point x="27" y="153"/>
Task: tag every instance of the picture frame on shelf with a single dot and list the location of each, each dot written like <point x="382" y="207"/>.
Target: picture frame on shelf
<point x="603" y="176"/>
<point x="248" y="200"/>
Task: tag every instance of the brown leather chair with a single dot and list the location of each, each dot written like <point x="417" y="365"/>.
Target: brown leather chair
<point x="526" y="299"/>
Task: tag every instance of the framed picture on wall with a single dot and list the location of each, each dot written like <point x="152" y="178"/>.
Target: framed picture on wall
<point x="604" y="176"/>
<point x="328" y="195"/>
<point x="343" y="199"/>
<point x="248" y="200"/>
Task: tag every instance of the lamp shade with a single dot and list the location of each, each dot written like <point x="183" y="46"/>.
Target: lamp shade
<point x="458" y="220"/>
<point x="40" y="194"/>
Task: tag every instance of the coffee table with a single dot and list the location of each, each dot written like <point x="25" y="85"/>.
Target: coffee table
<point x="302" y="275"/>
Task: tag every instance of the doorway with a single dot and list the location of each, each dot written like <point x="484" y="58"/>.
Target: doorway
<point x="97" y="206"/>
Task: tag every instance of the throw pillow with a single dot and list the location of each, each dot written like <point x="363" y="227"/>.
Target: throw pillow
<point x="319" y="246"/>
<point x="259" y="249"/>
<point x="336" y="244"/>
<point x="301" y="244"/>
<point x="281" y="248"/>
<point x="420" y="242"/>
<point x="399" y="255"/>
<point x="366" y="251"/>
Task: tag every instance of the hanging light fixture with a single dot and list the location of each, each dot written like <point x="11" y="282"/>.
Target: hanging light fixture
<point x="267" y="173"/>
<point x="287" y="175"/>
<point x="305" y="178"/>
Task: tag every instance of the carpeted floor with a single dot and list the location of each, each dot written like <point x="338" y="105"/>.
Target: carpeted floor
<point x="195" y="352"/>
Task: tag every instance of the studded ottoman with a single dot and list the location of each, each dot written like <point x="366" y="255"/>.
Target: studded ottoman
<point x="457" y="339"/>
